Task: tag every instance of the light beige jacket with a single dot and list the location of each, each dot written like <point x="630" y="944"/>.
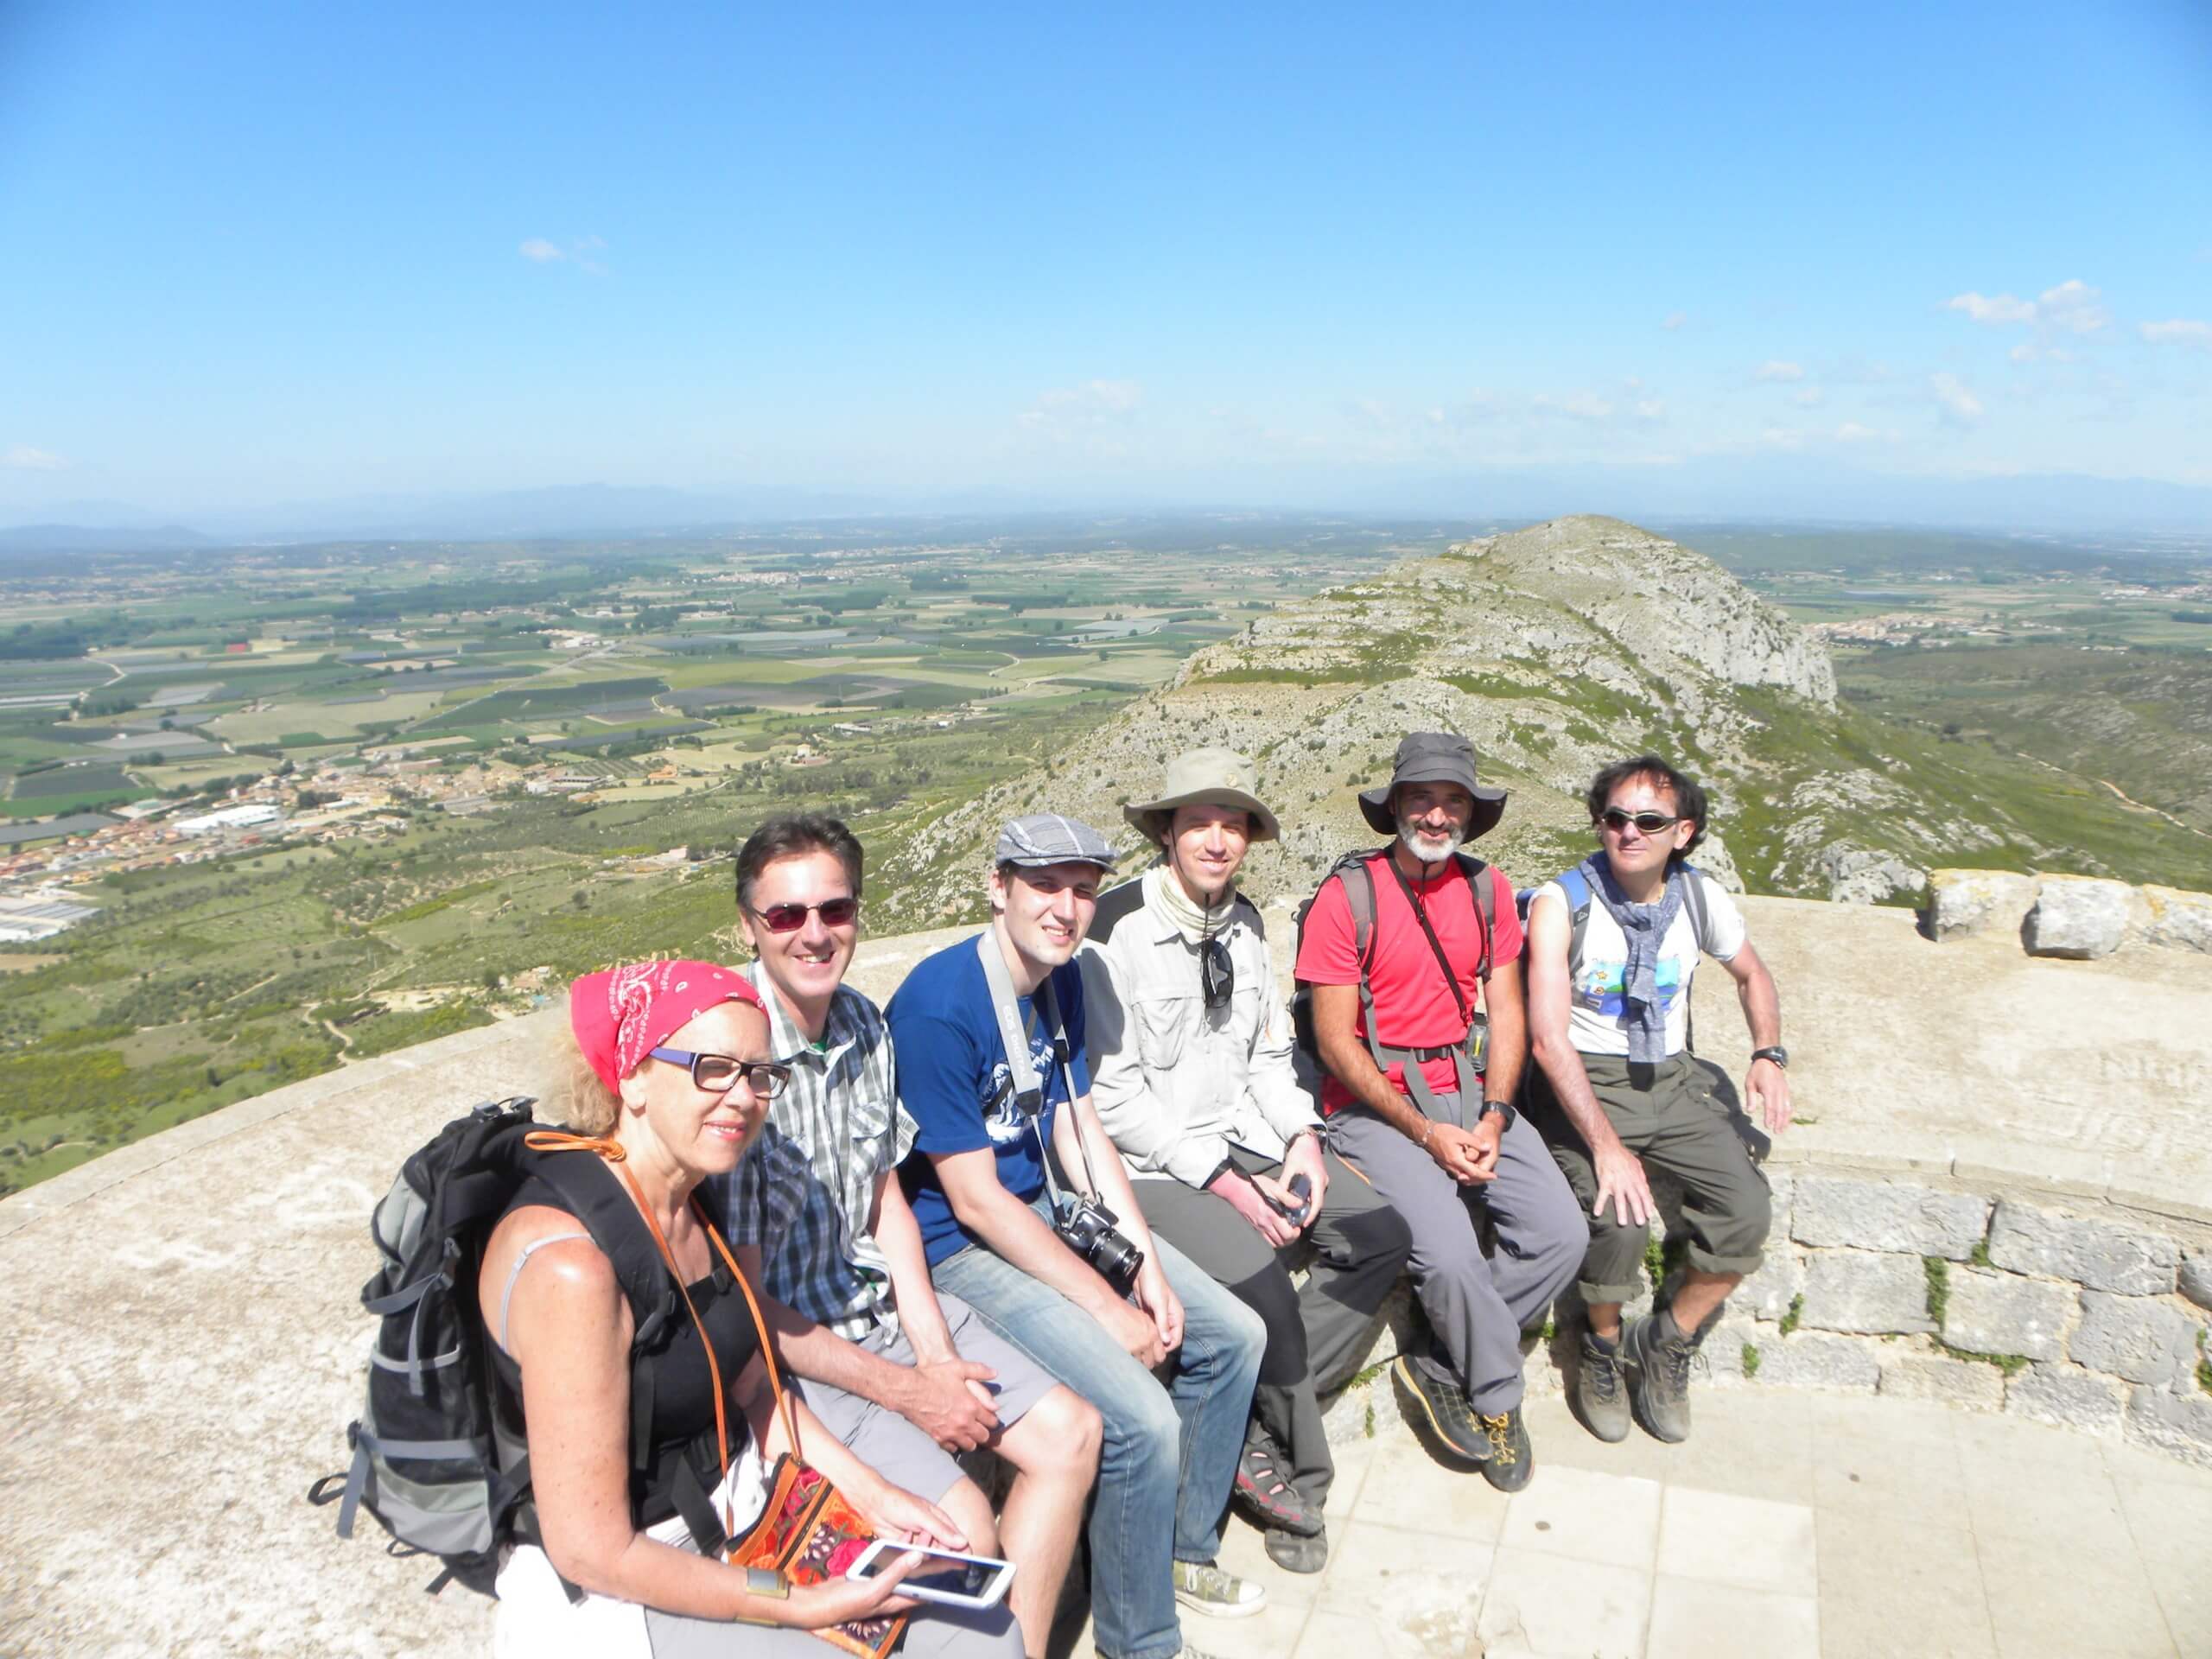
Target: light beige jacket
<point x="1176" y="1085"/>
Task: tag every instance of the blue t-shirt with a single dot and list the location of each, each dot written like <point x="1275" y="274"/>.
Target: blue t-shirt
<point x="954" y="1083"/>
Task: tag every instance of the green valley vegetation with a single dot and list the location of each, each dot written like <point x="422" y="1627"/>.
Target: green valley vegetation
<point x="323" y="803"/>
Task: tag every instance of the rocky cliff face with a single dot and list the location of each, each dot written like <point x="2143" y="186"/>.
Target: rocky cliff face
<point x="1555" y="649"/>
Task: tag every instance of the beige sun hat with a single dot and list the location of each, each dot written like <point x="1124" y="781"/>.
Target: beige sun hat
<point x="1204" y="778"/>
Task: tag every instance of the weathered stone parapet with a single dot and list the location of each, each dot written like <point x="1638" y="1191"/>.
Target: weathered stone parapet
<point x="2067" y="1397"/>
<point x="2002" y="1313"/>
<point x="2131" y="1261"/>
<point x="2080" y="916"/>
<point x="1887" y="1216"/>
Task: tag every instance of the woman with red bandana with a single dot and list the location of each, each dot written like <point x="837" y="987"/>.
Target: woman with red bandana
<point x="673" y="1071"/>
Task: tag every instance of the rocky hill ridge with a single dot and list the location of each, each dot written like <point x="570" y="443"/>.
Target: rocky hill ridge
<point x="1555" y="649"/>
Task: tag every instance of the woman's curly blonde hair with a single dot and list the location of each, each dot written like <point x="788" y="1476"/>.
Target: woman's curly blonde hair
<point x="573" y="1094"/>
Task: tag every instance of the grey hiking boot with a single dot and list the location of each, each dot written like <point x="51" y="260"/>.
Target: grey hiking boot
<point x="1295" y="1554"/>
<point x="1512" y="1460"/>
<point x="1443" y="1406"/>
<point x="1205" y="1588"/>
<point x="1662" y="1356"/>
<point x="1600" y="1392"/>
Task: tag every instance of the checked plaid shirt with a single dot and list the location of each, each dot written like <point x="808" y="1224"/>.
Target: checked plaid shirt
<point x="807" y="1185"/>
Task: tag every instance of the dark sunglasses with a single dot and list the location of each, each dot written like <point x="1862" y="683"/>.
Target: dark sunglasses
<point x="789" y="919"/>
<point x="719" y="1073"/>
<point x="1217" y="974"/>
<point x="1649" y="823"/>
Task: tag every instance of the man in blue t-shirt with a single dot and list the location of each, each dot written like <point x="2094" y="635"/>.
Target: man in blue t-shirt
<point x="983" y="1197"/>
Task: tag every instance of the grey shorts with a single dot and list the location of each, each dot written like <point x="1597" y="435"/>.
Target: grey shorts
<point x="894" y="1447"/>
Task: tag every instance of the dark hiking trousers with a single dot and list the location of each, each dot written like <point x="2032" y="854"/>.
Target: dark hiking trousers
<point x="1476" y="1305"/>
<point x="1314" y="1334"/>
<point x="1670" y="1115"/>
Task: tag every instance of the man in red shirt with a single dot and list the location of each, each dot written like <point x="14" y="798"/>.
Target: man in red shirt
<point x="1423" y="1034"/>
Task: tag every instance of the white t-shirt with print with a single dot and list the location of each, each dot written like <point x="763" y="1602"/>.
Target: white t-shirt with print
<point x="1596" y="1019"/>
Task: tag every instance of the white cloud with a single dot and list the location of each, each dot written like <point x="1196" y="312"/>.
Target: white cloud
<point x="537" y="248"/>
<point x="1094" y="410"/>
<point x="1810" y="398"/>
<point x="1853" y="432"/>
<point x="1674" y="320"/>
<point x="1775" y="370"/>
<point x="2180" y="331"/>
<point x="1650" y="411"/>
<point x="581" y="253"/>
<point x="1993" y="308"/>
<point x="23" y="458"/>
<point x="2072" y="308"/>
<point x="1574" y="405"/>
<point x="1959" y="405"/>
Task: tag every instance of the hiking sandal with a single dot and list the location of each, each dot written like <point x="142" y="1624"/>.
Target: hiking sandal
<point x="1264" y="1490"/>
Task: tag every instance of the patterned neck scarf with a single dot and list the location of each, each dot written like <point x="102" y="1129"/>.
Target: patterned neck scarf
<point x="1645" y="927"/>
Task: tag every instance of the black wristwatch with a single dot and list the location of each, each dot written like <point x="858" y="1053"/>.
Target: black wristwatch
<point x="1778" y="1054"/>
<point x="1502" y="1107"/>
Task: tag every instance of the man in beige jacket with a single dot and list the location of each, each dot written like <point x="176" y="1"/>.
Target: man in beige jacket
<point x="1190" y="1046"/>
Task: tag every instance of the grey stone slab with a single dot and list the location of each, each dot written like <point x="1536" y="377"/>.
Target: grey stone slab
<point x="2101" y="1255"/>
<point x="2179" y="921"/>
<point x="2142" y="1339"/>
<point x="2065" y="1397"/>
<point x="1540" y="1603"/>
<point x="1851" y="1290"/>
<point x="2091" y="1603"/>
<point x="2080" y="916"/>
<point x="1971" y="901"/>
<point x="1887" y="1216"/>
<point x="1780" y="1281"/>
<point x="2004" y="1313"/>
<point x="1693" y="1619"/>
<point x="2197" y="1277"/>
<point x="1814" y="1359"/>
<point x="1587" y="1516"/>
<point x="2178" y="1424"/>
<point x="1954" y="1382"/>
<point x="1723" y="1538"/>
<point x="1900" y="1583"/>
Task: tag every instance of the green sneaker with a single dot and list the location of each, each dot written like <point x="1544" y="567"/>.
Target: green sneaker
<point x="1205" y="1588"/>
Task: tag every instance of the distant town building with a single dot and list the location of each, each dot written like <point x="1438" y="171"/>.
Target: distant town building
<point x="253" y="814"/>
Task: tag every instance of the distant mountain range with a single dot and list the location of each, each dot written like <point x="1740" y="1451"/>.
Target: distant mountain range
<point x="1770" y="489"/>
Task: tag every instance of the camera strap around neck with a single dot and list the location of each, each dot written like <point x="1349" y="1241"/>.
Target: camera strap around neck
<point x="1028" y="1087"/>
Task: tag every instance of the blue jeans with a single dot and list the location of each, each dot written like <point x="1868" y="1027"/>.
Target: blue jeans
<point x="1169" y="1453"/>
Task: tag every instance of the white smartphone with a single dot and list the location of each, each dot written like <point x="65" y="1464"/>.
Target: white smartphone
<point x="944" y="1575"/>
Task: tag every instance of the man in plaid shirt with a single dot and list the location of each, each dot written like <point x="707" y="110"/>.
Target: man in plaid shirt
<point x="903" y="1375"/>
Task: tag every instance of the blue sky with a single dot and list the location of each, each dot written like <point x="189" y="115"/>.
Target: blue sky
<point x="254" y="254"/>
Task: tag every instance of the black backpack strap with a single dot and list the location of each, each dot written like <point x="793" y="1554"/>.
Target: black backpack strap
<point x="1486" y="892"/>
<point x="1114" y="904"/>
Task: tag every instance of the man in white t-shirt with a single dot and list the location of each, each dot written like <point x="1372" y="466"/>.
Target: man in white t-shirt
<point x="1612" y="945"/>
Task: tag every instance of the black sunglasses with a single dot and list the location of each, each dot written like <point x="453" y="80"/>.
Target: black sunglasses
<point x="1649" y="823"/>
<point x="789" y="919"/>
<point x="1217" y="974"/>
<point x="719" y="1073"/>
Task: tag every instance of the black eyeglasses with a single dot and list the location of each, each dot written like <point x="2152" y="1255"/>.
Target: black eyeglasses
<point x="1217" y="974"/>
<point x="1649" y="823"/>
<point x="789" y="919"/>
<point x="719" y="1073"/>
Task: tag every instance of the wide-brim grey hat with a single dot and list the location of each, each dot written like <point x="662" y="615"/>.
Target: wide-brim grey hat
<point x="1435" y="757"/>
<point x="1044" y="838"/>
<point x="1205" y="777"/>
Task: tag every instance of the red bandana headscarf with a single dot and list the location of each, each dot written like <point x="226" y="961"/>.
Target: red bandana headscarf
<point x="621" y="1016"/>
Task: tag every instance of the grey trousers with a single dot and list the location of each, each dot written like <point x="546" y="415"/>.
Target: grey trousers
<point x="1314" y="1334"/>
<point x="1476" y="1306"/>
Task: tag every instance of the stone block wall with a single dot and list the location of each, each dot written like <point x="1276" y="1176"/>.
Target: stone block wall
<point x="2077" y="916"/>
<point x="2078" y="1313"/>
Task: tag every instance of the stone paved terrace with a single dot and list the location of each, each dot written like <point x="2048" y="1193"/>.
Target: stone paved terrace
<point x="186" y="1346"/>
